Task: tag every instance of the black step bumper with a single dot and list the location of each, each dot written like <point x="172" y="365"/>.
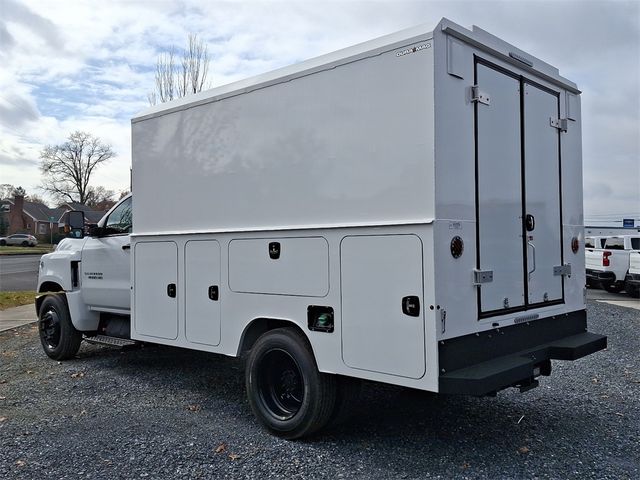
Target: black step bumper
<point x="600" y="276"/>
<point x="483" y="363"/>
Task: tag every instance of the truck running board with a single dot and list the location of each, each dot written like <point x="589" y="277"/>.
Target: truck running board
<point x="111" y="341"/>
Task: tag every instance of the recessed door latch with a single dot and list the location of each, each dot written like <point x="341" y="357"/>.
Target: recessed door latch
<point x="411" y="306"/>
<point x="213" y="293"/>
<point x="559" y="123"/>
<point x="274" y="250"/>
<point x="479" y="96"/>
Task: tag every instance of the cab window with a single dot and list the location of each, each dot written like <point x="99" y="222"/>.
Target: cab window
<point x="120" y="220"/>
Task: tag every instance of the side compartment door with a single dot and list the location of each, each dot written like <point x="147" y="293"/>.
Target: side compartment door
<point x="543" y="224"/>
<point x="499" y="190"/>
<point x="155" y="289"/>
<point x="382" y="304"/>
<point x="202" y="292"/>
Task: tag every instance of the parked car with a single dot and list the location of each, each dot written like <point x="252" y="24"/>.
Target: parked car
<point x="608" y="266"/>
<point x="23" y="239"/>
<point x="632" y="280"/>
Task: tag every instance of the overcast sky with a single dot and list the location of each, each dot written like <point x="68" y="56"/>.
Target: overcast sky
<point x="67" y="65"/>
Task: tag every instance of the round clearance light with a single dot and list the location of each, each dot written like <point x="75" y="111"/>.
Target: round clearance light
<point x="457" y="247"/>
<point x="575" y="244"/>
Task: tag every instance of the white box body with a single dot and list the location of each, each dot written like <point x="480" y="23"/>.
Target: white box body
<point x="363" y="165"/>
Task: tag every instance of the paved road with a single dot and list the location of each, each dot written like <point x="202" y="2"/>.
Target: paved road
<point x="18" y="272"/>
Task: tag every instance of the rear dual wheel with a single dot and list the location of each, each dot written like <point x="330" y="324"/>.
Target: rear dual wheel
<point x="287" y="393"/>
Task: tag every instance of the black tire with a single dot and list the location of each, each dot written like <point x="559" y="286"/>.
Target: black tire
<point x="347" y="396"/>
<point x="615" y="287"/>
<point x="3" y="243"/>
<point x="60" y="340"/>
<point x="632" y="290"/>
<point x="25" y="244"/>
<point x="287" y="393"/>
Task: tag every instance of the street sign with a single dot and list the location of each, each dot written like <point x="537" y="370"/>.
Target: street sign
<point x="628" y="222"/>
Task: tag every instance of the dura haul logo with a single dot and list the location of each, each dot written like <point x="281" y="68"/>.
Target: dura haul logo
<point x="407" y="51"/>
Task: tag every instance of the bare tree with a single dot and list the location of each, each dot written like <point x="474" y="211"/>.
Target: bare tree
<point x="67" y="168"/>
<point x="99" y="198"/>
<point x="176" y="81"/>
<point x="6" y="190"/>
<point x="35" y="198"/>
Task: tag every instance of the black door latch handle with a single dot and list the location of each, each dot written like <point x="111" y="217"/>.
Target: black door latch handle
<point x="126" y="247"/>
<point x="213" y="293"/>
<point x="530" y="222"/>
<point x="171" y="290"/>
<point x="411" y="306"/>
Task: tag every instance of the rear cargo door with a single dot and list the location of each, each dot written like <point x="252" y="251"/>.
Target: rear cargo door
<point x="499" y="190"/>
<point x="542" y="195"/>
<point x="518" y="209"/>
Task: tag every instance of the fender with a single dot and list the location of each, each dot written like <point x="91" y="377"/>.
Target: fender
<point x="56" y="268"/>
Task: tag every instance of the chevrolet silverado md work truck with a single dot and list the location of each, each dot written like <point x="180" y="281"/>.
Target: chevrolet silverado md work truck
<point x="407" y="210"/>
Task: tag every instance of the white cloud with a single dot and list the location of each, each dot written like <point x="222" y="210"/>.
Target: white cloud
<point x="89" y="66"/>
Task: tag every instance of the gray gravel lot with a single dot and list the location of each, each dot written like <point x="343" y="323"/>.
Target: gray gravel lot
<point x="159" y="412"/>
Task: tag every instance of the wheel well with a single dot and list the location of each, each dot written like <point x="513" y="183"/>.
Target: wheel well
<point x="47" y="287"/>
<point x="259" y="326"/>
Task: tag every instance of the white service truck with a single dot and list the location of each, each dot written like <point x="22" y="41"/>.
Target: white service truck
<point x="608" y="266"/>
<point x="407" y="210"/>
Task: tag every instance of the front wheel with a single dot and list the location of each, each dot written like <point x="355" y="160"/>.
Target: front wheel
<point x="25" y="244"/>
<point x="60" y="340"/>
<point x="287" y="393"/>
<point x="3" y="243"/>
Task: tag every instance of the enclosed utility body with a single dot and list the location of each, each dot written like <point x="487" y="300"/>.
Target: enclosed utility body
<point x="407" y="210"/>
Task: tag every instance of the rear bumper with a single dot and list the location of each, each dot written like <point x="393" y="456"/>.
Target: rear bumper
<point x="633" y="279"/>
<point x="483" y="363"/>
<point x="600" y="276"/>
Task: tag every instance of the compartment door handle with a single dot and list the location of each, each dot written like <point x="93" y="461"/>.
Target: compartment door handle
<point x="411" y="306"/>
<point x="213" y="293"/>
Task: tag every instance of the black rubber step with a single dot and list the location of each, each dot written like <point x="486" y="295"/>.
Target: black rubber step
<point x="518" y="368"/>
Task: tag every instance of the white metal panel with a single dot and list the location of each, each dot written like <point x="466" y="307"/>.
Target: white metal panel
<point x="347" y="146"/>
<point x="105" y="272"/>
<point x="155" y="267"/>
<point x="376" y="273"/>
<point x="301" y="269"/>
<point x="202" y="271"/>
<point x="499" y="190"/>
<point x="542" y="192"/>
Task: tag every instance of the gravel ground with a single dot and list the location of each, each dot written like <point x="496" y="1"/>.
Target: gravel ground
<point x="159" y="412"/>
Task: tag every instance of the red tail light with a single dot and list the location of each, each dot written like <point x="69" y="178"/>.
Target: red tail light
<point x="605" y="259"/>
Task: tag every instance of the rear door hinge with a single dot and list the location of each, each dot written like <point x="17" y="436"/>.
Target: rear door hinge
<point x="559" y="123"/>
<point x="479" y="96"/>
<point x="482" y="276"/>
<point x="562" y="270"/>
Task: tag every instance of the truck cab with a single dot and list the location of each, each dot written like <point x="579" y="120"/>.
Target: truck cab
<point x="91" y="274"/>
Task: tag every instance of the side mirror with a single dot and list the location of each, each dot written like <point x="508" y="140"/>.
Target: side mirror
<point x="95" y="230"/>
<point x="76" y="224"/>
